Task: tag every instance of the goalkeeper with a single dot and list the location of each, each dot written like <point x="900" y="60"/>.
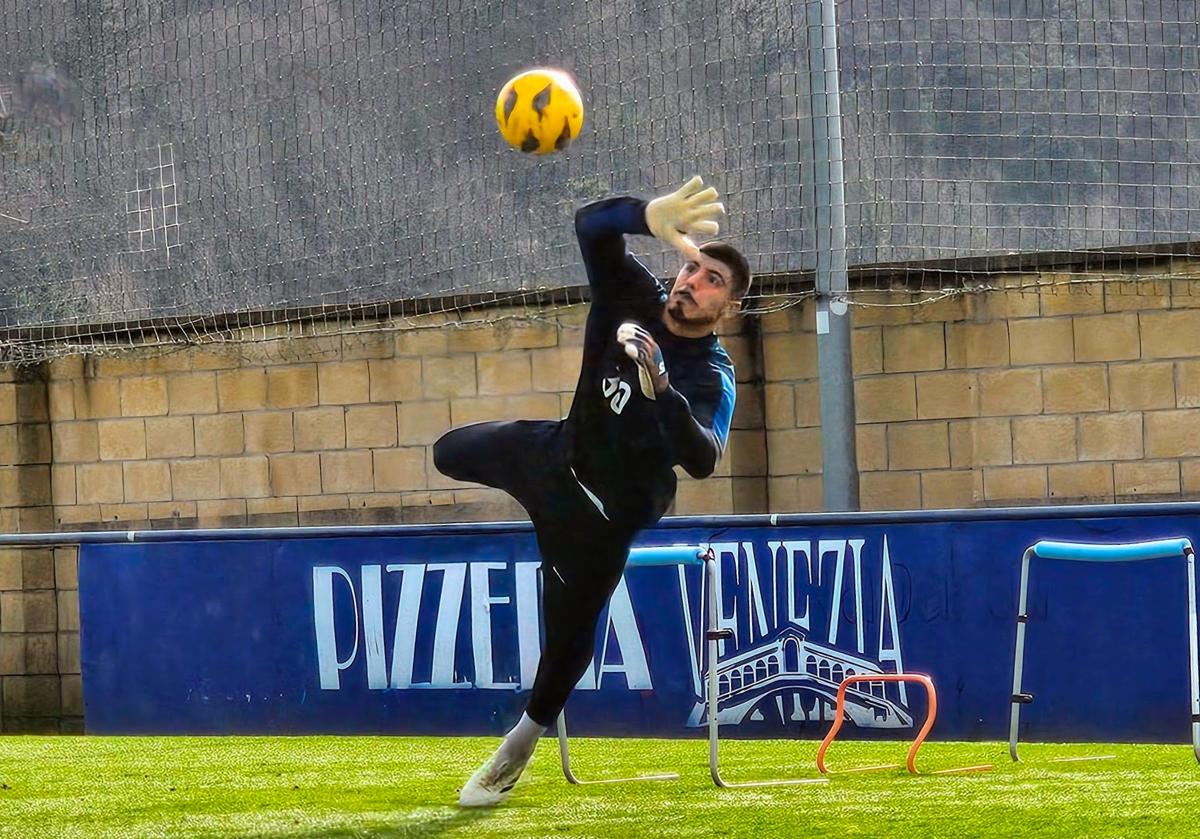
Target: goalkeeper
<point x="656" y="389"/>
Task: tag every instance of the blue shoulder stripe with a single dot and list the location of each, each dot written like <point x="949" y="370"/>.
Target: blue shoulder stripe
<point x="723" y="416"/>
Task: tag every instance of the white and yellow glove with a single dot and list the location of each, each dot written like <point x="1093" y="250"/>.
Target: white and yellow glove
<point x="642" y="348"/>
<point x="691" y="210"/>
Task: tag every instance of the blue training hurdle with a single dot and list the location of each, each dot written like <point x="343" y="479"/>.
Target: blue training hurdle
<point x="1086" y="552"/>
<point x="685" y="555"/>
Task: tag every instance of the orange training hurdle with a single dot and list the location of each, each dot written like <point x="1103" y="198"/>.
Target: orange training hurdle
<point x="839" y="717"/>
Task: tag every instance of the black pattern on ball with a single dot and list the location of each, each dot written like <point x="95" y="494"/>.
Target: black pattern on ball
<point x="510" y="102"/>
<point x="530" y="143"/>
<point x="564" y="137"/>
<point x="542" y="100"/>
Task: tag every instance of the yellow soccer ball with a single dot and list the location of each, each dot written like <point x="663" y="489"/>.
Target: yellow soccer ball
<point x="539" y="111"/>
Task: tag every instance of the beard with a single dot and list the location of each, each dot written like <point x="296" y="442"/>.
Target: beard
<point x="676" y="309"/>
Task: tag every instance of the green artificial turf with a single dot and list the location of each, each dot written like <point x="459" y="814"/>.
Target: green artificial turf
<point x="406" y="786"/>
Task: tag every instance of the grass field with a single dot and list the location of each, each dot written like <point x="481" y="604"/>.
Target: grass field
<point x="406" y="786"/>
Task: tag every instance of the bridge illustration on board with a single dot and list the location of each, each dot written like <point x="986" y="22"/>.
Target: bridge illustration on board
<point x="788" y="666"/>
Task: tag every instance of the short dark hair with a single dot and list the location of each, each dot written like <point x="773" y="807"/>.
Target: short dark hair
<point x="731" y="256"/>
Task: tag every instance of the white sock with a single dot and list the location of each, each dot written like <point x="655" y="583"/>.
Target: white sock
<point x="520" y="742"/>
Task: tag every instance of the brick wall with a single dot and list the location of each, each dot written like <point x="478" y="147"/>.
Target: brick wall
<point x="39" y="627"/>
<point x="313" y="430"/>
<point x="1058" y="394"/>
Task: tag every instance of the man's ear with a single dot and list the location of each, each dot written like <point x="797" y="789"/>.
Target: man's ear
<point x="732" y="307"/>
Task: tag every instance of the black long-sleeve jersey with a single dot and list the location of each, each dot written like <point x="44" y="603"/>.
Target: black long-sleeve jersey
<point x="622" y="446"/>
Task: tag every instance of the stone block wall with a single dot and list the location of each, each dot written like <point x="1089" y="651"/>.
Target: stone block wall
<point x="1079" y="393"/>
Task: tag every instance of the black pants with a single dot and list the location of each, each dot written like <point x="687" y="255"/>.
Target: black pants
<point x="583" y="553"/>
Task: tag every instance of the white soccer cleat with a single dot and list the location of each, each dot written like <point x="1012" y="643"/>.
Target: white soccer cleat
<point x="492" y="782"/>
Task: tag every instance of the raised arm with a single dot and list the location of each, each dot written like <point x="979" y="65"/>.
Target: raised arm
<point x="614" y="274"/>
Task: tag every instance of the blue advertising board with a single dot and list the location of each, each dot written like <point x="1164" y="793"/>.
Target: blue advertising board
<point x="435" y="630"/>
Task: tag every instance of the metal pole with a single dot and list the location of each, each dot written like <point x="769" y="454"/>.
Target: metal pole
<point x="1017" y="699"/>
<point x="714" y="655"/>
<point x="836" y="376"/>
<point x="1193" y="662"/>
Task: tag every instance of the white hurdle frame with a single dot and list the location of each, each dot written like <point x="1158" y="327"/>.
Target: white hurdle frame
<point x="1084" y="552"/>
<point x="685" y="555"/>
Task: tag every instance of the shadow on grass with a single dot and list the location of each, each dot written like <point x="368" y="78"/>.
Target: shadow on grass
<point x="432" y="825"/>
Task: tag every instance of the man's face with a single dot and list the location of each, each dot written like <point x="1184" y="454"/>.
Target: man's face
<point x="701" y="291"/>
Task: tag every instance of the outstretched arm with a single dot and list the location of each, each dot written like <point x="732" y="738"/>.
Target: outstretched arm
<point x="614" y="274"/>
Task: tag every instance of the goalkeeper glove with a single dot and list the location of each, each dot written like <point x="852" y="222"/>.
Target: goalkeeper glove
<point x="643" y="349"/>
<point x="691" y="210"/>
